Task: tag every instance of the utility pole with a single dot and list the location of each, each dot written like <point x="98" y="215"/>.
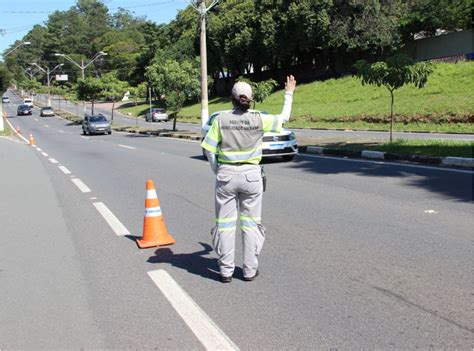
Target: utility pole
<point x="202" y="10"/>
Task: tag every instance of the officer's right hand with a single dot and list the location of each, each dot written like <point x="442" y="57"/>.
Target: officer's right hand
<point x="290" y="84"/>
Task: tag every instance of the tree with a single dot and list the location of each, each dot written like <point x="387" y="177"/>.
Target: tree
<point x="89" y="89"/>
<point x="177" y="82"/>
<point x="113" y="89"/>
<point x="5" y="79"/>
<point x="397" y="71"/>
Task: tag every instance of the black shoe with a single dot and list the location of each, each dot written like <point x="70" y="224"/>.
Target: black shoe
<point x="249" y="279"/>
<point x="225" y="279"/>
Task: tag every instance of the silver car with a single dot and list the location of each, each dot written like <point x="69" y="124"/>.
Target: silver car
<point x="156" y="115"/>
<point x="47" y="112"/>
<point x="96" y="124"/>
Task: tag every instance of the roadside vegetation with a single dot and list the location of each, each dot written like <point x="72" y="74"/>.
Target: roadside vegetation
<point x="6" y="131"/>
<point x="445" y="104"/>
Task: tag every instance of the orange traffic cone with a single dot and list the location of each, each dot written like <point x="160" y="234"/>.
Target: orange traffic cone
<point x="154" y="229"/>
<point x="31" y="140"/>
<point x="18" y="130"/>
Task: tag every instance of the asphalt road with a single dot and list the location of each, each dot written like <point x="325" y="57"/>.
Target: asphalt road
<point x="302" y="134"/>
<point x="359" y="254"/>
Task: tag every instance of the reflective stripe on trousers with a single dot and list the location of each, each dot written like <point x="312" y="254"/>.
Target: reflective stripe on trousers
<point x="238" y="187"/>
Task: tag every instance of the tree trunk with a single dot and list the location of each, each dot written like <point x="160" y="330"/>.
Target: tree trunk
<point x="174" y="120"/>
<point x="391" y="115"/>
<point x="112" y="118"/>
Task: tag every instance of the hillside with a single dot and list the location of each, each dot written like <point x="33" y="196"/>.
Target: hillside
<point x="448" y="97"/>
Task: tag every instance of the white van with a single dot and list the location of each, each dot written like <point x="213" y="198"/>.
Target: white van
<point x="28" y="102"/>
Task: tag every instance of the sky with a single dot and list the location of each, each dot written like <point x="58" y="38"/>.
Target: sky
<point x="17" y="17"/>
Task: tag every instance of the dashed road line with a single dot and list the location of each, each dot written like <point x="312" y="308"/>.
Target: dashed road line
<point x="37" y="148"/>
<point x="52" y="160"/>
<point x="82" y="187"/>
<point x="46" y="126"/>
<point x="127" y="147"/>
<point x="61" y="131"/>
<point x="110" y="218"/>
<point x="208" y="333"/>
<point x="44" y="154"/>
<point x="83" y="137"/>
<point x="64" y="170"/>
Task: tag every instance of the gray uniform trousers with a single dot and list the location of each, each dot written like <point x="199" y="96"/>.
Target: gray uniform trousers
<point x="238" y="187"/>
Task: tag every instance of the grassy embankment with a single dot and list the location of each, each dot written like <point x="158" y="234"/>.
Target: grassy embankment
<point x="445" y="104"/>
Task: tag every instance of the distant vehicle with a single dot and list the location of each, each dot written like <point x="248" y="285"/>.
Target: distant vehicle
<point x="95" y="124"/>
<point x="5" y="100"/>
<point x="156" y="115"/>
<point x="282" y="144"/>
<point x="47" y="112"/>
<point x="28" y="102"/>
<point x="23" y="110"/>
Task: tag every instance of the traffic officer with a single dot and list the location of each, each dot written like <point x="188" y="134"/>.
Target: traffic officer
<point x="233" y="146"/>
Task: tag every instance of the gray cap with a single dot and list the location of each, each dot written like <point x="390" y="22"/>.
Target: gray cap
<point x="242" y="88"/>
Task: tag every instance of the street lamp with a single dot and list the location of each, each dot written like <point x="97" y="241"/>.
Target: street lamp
<point x="16" y="47"/>
<point x="48" y="72"/>
<point x="81" y="65"/>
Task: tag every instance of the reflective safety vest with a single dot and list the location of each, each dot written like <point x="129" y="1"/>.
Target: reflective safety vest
<point x="236" y="136"/>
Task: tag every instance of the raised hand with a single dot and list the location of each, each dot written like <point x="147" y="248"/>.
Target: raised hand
<point x="290" y="84"/>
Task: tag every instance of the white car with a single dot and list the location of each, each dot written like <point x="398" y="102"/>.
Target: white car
<point x="28" y="102"/>
<point x="282" y="144"/>
<point x="5" y="99"/>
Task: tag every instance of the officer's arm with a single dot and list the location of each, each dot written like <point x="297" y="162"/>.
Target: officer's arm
<point x="212" y="160"/>
<point x="210" y="144"/>
<point x="290" y="87"/>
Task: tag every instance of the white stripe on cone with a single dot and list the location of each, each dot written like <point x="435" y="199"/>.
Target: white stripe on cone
<point x="151" y="194"/>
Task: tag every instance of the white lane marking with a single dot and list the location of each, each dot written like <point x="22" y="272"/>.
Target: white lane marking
<point x="127" y="147"/>
<point x="39" y="149"/>
<point x="36" y="119"/>
<point x="430" y="211"/>
<point x="83" y="137"/>
<point x="110" y="218"/>
<point x="388" y="163"/>
<point x="44" y="154"/>
<point x="52" y="160"/>
<point x="210" y="335"/>
<point x="64" y="170"/>
<point x="46" y="126"/>
<point x="93" y="198"/>
<point x="61" y="131"/>
<point x="82" y="187"/>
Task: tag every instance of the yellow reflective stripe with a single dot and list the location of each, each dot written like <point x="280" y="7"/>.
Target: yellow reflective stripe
<point x="225" y="220"/>
<point x="213" y="137"/>
<point x="272" y="123"/>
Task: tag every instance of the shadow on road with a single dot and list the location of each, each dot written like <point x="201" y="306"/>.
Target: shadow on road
<point x="452" y="185"/>
<point x="194" y="262"/>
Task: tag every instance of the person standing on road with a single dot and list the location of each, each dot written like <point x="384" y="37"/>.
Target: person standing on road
<point x="233" y="146"/>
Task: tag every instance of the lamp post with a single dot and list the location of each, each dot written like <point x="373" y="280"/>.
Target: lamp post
<point x="81" y="65"/>
<point x="48" y="73"/>
<point x="16" y="47"/>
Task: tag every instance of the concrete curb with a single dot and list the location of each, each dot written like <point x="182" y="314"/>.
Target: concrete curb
<point x="379" y="155"/>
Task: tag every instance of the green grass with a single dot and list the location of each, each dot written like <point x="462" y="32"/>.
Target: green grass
<point x="445" y="104"/>
<point x="440" y="148"/>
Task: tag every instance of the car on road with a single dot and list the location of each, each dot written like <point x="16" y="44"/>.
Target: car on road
<point x="47" y="112"/>
<point x="28" y="102"/>
<point x="96" y="124"/>
<point x="23" y="110"/>
<point x="282" y="144"/>
<point x="156" y="115"/>
<point x="5" y="100"/>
